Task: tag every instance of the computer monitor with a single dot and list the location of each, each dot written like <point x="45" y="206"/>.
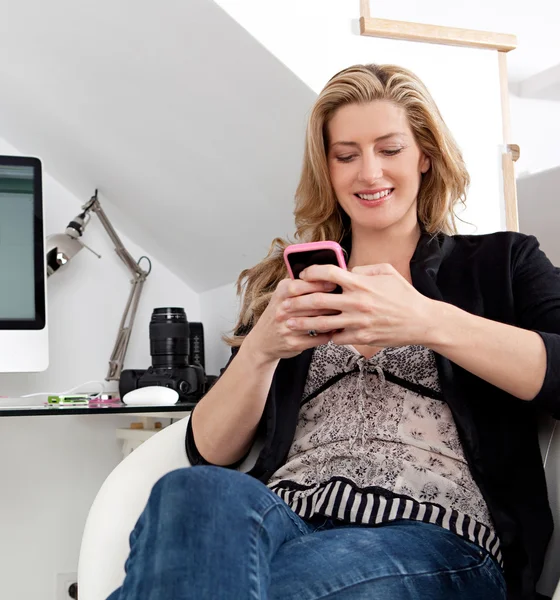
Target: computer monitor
<point x="23" y="314"/>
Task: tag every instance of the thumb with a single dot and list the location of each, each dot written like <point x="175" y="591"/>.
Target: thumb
<point x="379" y="269"/>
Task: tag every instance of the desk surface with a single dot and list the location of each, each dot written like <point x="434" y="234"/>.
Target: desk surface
<point x="39" y="410"/>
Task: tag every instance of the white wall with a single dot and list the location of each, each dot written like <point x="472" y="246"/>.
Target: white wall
<point x="52" y="466"/>
<point x="219" y="314"/>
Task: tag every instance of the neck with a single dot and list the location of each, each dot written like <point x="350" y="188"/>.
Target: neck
<point x="394" y="246"/>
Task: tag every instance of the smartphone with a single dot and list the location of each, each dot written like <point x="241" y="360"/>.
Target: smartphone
<point x="300" y="256"/>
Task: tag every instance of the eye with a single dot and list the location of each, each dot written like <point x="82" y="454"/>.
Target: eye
<point x="391" y="152"/>
<point x="345" y="159"/>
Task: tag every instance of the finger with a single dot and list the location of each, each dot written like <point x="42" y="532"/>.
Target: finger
<point x="330" y="323"/>
<point x="291" y="288"/>
<point x="379" y="269"/>
<point x="330" y="273"/>
<point x="317" y="301"/>
<point x="312" y="341"/>
<point x="310" y="313"/>
<point x="302" y="340"/>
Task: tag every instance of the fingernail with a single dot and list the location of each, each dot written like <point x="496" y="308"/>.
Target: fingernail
<point x="290" y="322"/>
<point x="286" y="303"/>
<point x="329" y="286"/>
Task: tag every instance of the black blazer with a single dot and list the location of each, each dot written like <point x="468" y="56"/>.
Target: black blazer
<point x="504" y="277"/>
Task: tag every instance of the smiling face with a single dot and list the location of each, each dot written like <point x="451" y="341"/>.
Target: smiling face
<point x="375" y="165"/>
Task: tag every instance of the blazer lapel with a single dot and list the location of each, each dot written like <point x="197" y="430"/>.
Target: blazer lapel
<point x="426" y="261"/>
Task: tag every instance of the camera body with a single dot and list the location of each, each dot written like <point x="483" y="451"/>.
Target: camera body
<point x="189" y="382"/>
<point x="170" y="348"/>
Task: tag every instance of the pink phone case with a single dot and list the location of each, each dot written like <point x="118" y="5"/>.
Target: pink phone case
<point x="310" y="246"/>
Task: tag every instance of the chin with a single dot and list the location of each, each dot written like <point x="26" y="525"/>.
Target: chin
<point x="377" y="222"/>
<point x="383" y="217"/>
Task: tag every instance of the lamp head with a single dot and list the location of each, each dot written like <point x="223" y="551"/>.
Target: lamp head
<point x="62" y="247"/>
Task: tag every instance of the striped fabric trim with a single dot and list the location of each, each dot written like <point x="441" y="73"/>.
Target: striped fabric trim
<point x="341" y="499"/>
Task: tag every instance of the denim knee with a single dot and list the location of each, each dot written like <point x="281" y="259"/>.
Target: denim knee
<point x="205" y="486"/>
<point x="188" y="480"/>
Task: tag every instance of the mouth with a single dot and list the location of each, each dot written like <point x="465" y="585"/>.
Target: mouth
<point x="375" y="199"/>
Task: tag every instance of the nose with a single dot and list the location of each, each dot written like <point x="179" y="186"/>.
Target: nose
<point x="371" y="168"/>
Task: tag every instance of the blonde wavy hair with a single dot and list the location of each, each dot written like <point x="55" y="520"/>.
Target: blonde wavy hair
<point x="318" y="215"/>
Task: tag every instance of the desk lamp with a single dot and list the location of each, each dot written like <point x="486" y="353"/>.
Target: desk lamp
<point x="62" y="247"/>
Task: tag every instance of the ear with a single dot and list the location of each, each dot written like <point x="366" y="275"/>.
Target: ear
<point x="425" y="164"/>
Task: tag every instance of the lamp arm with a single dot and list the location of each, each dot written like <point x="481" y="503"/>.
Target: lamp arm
<point x="138" y="278"/>
<point x="125" y="329"/>
<point x="122" y="252"/>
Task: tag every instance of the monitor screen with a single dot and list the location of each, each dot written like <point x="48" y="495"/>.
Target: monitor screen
<point x="22" y="301"/>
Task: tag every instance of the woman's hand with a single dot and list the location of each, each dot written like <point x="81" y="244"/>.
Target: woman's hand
<point x="378" y="307"/>
<point x="271" y="339"/>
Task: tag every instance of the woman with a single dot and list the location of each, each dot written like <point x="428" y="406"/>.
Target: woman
<point x="397" y="421"/>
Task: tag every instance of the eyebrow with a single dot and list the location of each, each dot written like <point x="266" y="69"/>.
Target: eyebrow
<point x="379" y="139"/>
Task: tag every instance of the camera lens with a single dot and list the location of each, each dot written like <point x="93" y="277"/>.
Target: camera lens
<point x="169" y="338"/>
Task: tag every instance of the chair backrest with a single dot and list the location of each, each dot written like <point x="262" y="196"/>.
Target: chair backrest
<point x="118" y="505"/>
<point x="549" y="438"/>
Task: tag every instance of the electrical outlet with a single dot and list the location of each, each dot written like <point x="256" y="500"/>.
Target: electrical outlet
<point x="63" y="583"/>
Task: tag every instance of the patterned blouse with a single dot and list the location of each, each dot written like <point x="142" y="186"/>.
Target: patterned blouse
<point x="375" y="442"/>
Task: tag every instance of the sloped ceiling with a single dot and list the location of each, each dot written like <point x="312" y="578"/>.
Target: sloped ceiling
<point x="189" y="127"/>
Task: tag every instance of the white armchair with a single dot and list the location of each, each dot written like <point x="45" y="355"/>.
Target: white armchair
<point x="125" y="492"/>
<point x="118" y="505"/>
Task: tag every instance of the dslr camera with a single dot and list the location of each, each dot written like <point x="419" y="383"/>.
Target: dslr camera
<point x="170" y="345"/>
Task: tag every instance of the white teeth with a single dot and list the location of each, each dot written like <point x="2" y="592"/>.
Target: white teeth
<point x="375" y="196"/>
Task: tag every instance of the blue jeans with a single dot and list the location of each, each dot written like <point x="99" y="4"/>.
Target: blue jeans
<point x="209" y="533"/>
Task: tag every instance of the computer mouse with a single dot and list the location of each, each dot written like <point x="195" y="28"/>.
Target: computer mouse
<point x="152" y="395"/>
